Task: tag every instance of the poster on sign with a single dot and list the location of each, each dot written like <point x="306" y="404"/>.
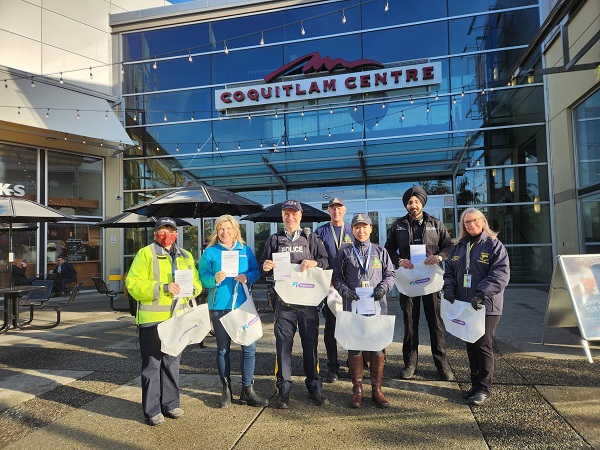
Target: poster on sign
<point x="574" y="298"/>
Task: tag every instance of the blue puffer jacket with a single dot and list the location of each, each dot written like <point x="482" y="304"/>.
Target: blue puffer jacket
<point x="221" y="295"/>
<point x="490" y="272"/>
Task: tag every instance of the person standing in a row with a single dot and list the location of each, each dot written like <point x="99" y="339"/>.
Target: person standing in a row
<point x="309" y="252"/>
<point x="478" y="271"/>
<point x="365" y="265"/>
<point x="227" y="237"/>
<point x="334" y="235"/>
<point x="151" y="281"/>
<point x="419" y="228"/>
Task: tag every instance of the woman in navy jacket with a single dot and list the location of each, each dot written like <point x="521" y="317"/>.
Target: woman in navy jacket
<point x="477" y="271"/>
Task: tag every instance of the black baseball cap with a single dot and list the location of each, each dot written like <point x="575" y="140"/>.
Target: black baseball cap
<point x="165" y="222"/>
<point x="361" y="218"/>
<point x="291" y="204"/>
<point x="336" y="201"/>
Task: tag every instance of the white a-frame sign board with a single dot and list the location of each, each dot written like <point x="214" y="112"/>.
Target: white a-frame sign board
<point x="574" y="298"/>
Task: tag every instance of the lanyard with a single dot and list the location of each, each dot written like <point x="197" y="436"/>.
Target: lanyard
<point x="365" y="266"/>
<point x="469" y="247"/>
<point x="335" y="239"/>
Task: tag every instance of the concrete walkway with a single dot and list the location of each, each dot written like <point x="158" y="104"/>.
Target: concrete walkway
<point x="77" y="387"/>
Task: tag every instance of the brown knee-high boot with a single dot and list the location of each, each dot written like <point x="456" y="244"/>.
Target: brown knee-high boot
<point x="377" y="363"/>
<point x="355" y="364"/>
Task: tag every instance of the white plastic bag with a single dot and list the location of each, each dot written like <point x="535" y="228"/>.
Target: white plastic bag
<point x="188" y="327"/>
<point x="364" y="333"/>
<point x="462" y="320"/>
<point x="334" y="301"/>
<point x="243" y="324"/>
<point x="307" y="288"/>
<point x="421" y="280"/>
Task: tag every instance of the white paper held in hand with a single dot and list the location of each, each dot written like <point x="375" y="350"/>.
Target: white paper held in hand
<point x="283" y="266"/>
<point x="185" y="280"/>
<point x="230" y="263"/>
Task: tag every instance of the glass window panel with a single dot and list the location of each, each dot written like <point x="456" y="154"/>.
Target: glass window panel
<point x="590" y="223"/>
<point x="374" y="14"/>
<point x="175" y="106"/>
<point x="400" y="45"/>
<point x="587" y="129"/>
<point x="75" y="184"/>
<point x="169" y="74"/>
<point x="172" y="139"/>
<point x="245" y="65"/>
<point x="510" y="185"/>
<point x="319" y="20"/>
<point x="457" y="7"/>
<point x="81" y="244"/>
<point x="18" y="170"/>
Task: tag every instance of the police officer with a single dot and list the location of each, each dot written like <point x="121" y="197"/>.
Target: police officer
<point x="364" y="264"/>
<point x="419" y="228"/>
<point x="309" y="252"/>
<point x="333" y="234"/>
<point x="151" y="282"/>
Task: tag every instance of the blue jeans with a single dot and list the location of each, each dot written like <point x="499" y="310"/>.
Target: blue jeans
<point x="223" y="345"/>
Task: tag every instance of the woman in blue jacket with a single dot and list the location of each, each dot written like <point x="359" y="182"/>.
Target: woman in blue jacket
<point x="477" y="271"/>
<point x="222" y="289"/>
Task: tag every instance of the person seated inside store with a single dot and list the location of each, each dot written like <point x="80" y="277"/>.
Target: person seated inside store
<point x="19" y="273"/>
<point x="63" y="274"/>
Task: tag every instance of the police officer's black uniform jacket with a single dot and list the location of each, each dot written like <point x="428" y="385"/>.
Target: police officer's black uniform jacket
<point x="435" y="237"/>
<point x="305" y="247"/>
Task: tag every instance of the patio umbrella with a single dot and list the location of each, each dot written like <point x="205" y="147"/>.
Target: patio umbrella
<point x="197" y="202"/>
<point x="273" y="214"/>
<point x="133" y="220"/>
<point x="18" y="210"/>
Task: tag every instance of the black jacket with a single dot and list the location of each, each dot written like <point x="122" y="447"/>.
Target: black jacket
<point x="435" y="237"/>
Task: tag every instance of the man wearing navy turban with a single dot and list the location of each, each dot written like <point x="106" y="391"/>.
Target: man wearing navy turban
<point x="419" y="228"/>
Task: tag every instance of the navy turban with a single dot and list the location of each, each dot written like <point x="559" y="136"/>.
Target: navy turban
<point x="415" y="191"/>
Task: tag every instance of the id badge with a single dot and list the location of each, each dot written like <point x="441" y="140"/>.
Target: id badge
<point x="365" y="284"/>
<point x="467" y="280"/>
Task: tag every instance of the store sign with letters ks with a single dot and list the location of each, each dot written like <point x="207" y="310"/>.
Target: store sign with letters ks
<point x="11" y="190"/>
<point x="347" y="80"/>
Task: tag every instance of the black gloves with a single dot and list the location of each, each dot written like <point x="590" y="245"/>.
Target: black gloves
<point x="449" y="296"/>
<point x="378" y="293"/>
<point x="476" y="303"/>
<point x="350" y="295"/>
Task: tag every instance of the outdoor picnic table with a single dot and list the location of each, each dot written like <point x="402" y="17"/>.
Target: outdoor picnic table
<point x="11" y="305"/>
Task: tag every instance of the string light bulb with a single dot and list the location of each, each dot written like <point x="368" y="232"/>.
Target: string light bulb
<point x="106" y="115"/>
<point x="305" y="137"/>
<point x="154" y="66"/>
<point x="239" y="145"/>
<point x="328" y="132"/>
<point x="177" y="148"/>
<point x="32" y="82"/>
<point x="217" y="147"/>
<point x="122" y="70"/>
<point x="91" y="74"/>
<point x="135" y="117"/>
<point x="190" y="59"/>
<point x="61" y="79"/>
<point x="19" y="111"/>
<point x="330" y="110"/>
<point x="387" y="6"/>
<point x="302" y="30"/>
<point x="220" y="116"/>
<point x="78" y="116"/>
<point x="48" y="112"/>
<point x="411" y="100"/>
<point x="462" y="92"/>
<point x="276" y="114"/>
<point x="343" y="16"/>
<point x="193" y="118"/>
<point x="427" y="107"/>
<point x="302" y="111"/>
<point x="225" y="47"/>
<point x="383" y="106"/>
<point x="262" y="38"/>
<point x="483" y="91"/>
<point x="376" y="122"/>
<point x="454" y="100"/>
<point x="165" y="117"/>
<point x="352" y="129"/>
<point x="198" y="148"/>
<point x="402" y="115"/>
<point x="261" y="143"/>
<point x="355" y="108"/>
<point x="437" y="97"/>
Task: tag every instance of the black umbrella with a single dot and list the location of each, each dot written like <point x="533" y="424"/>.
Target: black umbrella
<point x="273" y="214"/>
<point x="197" y="202"/>
<point x="133" y="220"/>
<point x="18" y="210"/>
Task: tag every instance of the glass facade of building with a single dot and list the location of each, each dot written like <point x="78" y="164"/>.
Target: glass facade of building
<point x="478" y="138"/>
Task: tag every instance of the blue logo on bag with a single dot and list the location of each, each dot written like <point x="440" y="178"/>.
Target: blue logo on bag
<point x="459" y="322"/>
<point x="421" y="281"/>
<point x="187" y="331"/>
<point x="249" y="324"/>
<point x="302" y="285"/>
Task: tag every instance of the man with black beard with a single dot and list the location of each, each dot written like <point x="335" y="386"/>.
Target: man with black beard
<point x="419" y="228"/>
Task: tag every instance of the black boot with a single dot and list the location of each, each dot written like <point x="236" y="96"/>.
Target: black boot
<point x="225" y="399"/>
<point x="249" y="397"/>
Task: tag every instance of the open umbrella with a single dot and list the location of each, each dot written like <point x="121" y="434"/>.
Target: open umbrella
<point x="133" y="220"/>
<point x="18" y="210"/>
<point x="273" y="214"/>
<point x="197" y="202"/>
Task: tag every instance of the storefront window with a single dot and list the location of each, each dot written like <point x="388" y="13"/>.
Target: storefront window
<point x="75" y="184"/>
<point x="590" y="223"/>
<point x="587" y="129"/>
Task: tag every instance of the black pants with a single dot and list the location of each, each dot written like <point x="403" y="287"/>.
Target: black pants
<point x="160" y="375"/>
<point x="481" y="357"/>
<point x="411" y="309"/>
<point x="287" y="321"/>
<point x="329" y="339"/>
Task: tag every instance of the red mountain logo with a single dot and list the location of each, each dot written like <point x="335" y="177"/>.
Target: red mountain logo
<point x="314" y="63"/>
